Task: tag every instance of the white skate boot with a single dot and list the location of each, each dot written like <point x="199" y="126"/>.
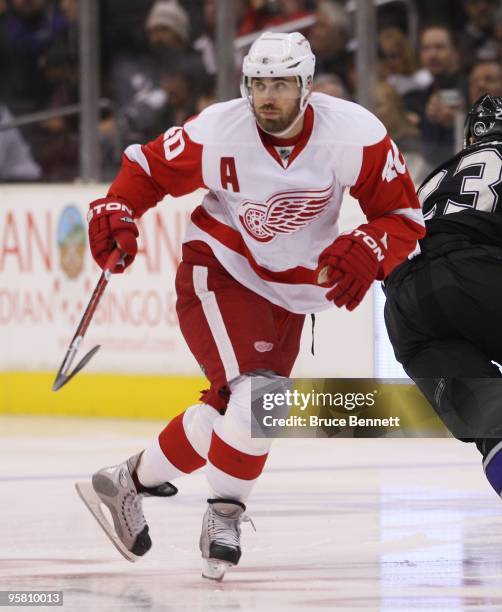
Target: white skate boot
<point x="220" y="536"/>
<point x="119" y="490"/>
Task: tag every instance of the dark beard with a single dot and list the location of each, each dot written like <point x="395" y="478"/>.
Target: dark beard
<point x="278" y="124"/>
<point x="273" y="125"/>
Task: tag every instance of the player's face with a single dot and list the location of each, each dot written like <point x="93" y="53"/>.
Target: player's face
<point x="276" y="102"/>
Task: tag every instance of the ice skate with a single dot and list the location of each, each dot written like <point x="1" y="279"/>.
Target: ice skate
<point x="115" y="488"/>
<point x="220" y="536"/>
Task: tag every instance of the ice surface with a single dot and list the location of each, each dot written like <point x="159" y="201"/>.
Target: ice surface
<point x="389" y="524"/>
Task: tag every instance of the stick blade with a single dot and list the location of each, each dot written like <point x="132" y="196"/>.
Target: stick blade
<point x="61" y="379"/>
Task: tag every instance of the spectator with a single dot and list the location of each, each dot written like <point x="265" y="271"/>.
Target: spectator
<point x="444" y="98"/>
<point x="399" y="65"/>
<point x="263" y="14"/>
<point x="207" y="94"/>
<point x="136" y="78"/>
<point x="205" y="43"/>
<point x="328" y="38"/>
<point x="60" y="70"/>
<point x="16" y="161"/>
<point x="438" y="53"/>
<point x="55" y="142"/>
<point x="485" y="78"/>
<point x="477" y="37"/>
<point x="389" y="108"/>
<point x="70" y="10"/>
<point x="182" y="85"/>
<point x="27" y="29"/>
<point x="168" y="26"/>
<point x="497" y="33"/>
<point x="331" y="85"/>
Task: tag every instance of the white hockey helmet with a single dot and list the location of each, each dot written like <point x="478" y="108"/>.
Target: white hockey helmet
<point x="275" y="54"/>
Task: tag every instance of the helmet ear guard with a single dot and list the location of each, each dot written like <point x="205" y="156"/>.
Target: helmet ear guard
<point x="484" y="120"/>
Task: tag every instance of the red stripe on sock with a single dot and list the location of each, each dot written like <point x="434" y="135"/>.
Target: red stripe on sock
<point x="235" y="462"/>
<point x="177" y="448"/>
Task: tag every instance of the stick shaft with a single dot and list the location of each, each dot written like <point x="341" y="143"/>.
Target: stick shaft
<point x="90" y="310"/>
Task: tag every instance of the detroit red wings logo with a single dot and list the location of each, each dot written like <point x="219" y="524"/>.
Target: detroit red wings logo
<point x="286" y="212"/>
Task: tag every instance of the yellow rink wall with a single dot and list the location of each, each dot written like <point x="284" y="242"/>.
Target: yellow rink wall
<point x="99" y="395"/>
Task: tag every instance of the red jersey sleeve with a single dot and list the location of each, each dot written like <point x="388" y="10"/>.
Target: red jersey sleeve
<point x="170" y="164"/>
<point x="387" y="197"/>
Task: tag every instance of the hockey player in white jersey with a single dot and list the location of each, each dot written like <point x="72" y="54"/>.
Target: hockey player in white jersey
<point x="262" y="250"/>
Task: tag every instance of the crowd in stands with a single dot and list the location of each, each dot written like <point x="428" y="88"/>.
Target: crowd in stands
<point x="159" y="67"/>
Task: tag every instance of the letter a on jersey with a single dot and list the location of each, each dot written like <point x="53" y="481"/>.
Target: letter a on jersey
<point x="228" y="174"/>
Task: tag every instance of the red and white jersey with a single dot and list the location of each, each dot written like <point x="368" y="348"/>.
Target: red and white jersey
<point x="265" y="219"/>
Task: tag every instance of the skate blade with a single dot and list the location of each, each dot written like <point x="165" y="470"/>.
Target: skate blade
<point x="214" y="569"/>
<point x="93" y="503"/>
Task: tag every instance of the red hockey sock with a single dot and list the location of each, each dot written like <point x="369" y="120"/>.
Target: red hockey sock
<point x="234" y="462"/>
<point x="231" y="473"/>
<point x="177" y="448"/>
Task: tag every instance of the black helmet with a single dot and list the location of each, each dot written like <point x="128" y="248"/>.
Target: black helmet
<point x="484" y="120"/>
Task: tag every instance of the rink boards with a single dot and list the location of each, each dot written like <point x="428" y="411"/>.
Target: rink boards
<point x="144" y="368"/>
<point x="104" y="395"/>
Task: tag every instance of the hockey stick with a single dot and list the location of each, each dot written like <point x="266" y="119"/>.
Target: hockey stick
<point x="63" y="376"/>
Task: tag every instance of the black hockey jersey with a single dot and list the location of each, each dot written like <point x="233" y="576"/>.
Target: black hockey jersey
<point x="463" y="196"/>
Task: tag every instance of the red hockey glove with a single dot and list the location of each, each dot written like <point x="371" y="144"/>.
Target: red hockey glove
<point x="351" y="264"/>
<point x="111" y="225"/>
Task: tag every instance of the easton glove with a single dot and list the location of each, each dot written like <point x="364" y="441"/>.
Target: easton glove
<point x="350" y="265"/>
<point x="111" y="226"/>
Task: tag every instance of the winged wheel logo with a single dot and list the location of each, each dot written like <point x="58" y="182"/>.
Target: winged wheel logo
<point x="286" y="212"/>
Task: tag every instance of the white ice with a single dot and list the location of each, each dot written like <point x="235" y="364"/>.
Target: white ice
<point x="385" y="524"/>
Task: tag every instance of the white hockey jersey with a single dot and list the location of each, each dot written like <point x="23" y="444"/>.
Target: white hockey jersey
<point x="267" y="219"/>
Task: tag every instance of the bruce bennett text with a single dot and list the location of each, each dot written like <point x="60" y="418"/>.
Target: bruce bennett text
<point x="314" y="421"/>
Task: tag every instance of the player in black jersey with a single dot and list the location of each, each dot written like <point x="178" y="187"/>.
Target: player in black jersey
<point x="444" y="306"/>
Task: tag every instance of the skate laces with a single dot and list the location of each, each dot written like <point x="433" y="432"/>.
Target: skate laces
<point x="245" y="518"/>
<point x="226" y="530"/>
